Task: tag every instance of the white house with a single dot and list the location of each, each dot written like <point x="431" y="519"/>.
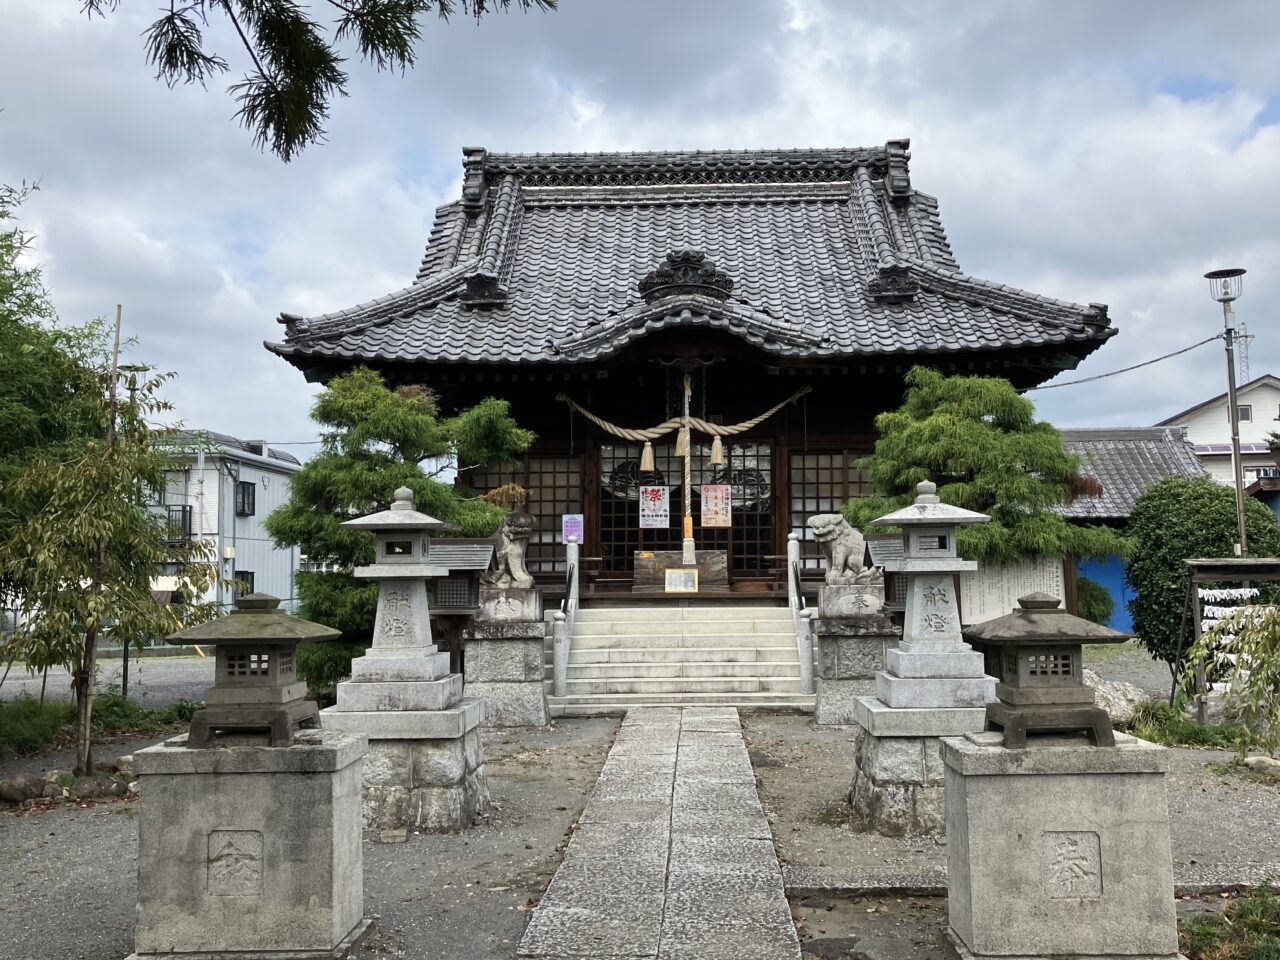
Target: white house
<point x="222" y="493"/>
<point x="1209" y="430"/>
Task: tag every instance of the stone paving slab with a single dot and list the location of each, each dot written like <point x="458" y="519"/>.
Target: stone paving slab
<point x="672" y="858"/>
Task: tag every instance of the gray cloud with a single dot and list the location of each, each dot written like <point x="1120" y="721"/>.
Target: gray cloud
<point x="1096" y="152"/>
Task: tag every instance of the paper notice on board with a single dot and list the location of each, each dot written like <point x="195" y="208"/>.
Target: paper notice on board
<point x="655" y="508"/>
<point x="716" y="504"/>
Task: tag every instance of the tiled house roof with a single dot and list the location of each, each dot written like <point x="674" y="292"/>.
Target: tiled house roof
<point x="829" y="253"/>
<point x="1126" y="461"/>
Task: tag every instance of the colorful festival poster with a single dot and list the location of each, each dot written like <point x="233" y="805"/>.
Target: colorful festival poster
<point x="655" y="508"/>
<point x="716" y="504"/>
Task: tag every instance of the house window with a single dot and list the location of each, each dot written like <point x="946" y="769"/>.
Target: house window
<point x="246" y="498"/>
<point x="244" y="586"/>
<point x="1244" y="412"/>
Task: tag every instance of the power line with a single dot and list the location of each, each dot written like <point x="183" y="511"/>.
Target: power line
<point x="1136" y="366"/>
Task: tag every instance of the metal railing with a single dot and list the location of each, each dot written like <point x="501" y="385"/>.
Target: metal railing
<point x="563" y="620"/>
<point x="800" y="614"/>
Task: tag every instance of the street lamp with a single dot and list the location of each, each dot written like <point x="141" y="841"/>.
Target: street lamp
<point x="1225" y="286"/>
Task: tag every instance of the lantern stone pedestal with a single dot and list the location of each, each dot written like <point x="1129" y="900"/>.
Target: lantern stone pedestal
<point x="250" y="851"/>
<point x="853" y="636"/>
<point x="505" y="659"/>
<point x="1059" y="849"/>
<point x="425" y="768"/>
<point x="933" y="684"/>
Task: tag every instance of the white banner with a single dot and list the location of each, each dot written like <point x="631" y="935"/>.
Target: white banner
<point x="655" y="508"/>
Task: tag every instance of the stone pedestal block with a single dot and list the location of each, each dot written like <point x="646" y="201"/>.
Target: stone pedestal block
<point x="918" y="692"/>
<point x="505" y="666"/>
<point x="850" y="651"/>
<point x="510" y="603"/>
<point x="897" y="785"/>
<point x="432" y="785"/>
<point x="850" y="599"/>
<point x="898" y="780"/>
<point x="250" y="851"/>
<point x="1060" y="849"/>
<point x="425" y="768"/>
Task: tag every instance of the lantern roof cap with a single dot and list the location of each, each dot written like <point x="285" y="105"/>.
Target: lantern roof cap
<point x="257" y="618"/>
<point x="929" y="510"/>
<point x="399" y="516"/>
<point x="1039" y="618"/>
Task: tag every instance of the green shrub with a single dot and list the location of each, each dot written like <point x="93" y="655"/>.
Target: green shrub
<point x="1174" y="520"/>
<point x="1159" y="722"/>
<point x="1093" y="602"/>
<point x="113" y="714"/>
<point x="323" y="664"/>
<point x="27" y="726"/>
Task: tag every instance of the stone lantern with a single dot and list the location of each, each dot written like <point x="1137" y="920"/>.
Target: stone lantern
<point x="1057" y="847"/>
<point x="403" y="622"/>
<point x="251" y="847"/>
<point x="426" y="762"/>
<point x="933" y="685"/>
<point x="256" y="685"/>
<point x="1038" y="653"/>
<point x="933" y="666"/>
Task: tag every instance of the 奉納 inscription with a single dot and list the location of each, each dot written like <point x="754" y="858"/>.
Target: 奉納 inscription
<point x="235" y="863"/>
<point x="1073" y="865"/>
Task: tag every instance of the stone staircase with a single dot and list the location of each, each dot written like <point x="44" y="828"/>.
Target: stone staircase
<point x="687" y="655"/>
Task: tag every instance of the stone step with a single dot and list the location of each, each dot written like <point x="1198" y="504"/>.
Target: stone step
<point x="785" y="652"/>
<point x="670" y="640"/>
<point x="658" y="623"/>
<point x="664" y="685"/>
<point x="685" y="614"/>
<point x="590" y="705"/>
<point x="592" y="671"/>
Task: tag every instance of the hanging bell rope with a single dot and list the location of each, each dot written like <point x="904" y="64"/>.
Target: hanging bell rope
<point x="648" y="434"/>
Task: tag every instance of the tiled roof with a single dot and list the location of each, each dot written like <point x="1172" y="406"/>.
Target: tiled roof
<point x="1126" y="461"/>
<point x="460" y="554"/>
<point x="831" y="253"/>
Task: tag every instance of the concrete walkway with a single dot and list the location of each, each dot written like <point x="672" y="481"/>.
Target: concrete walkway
<point x="672" y="858"/>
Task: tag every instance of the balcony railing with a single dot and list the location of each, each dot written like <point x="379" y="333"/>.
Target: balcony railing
<point x="178" y="527"/>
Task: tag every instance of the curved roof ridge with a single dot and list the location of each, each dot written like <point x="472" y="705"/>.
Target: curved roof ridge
<point x="362" y="316"/>
<point x="1001" y="296"/>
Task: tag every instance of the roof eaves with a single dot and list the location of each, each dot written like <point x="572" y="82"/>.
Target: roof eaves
<point x="1087" y="322"/>
<point x="416" y="296"/>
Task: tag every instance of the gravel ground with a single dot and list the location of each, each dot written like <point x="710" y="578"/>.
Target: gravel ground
<point x="1225" y="826"/>
<point x="153" y="681"/>
<point x="1132" y="664"/>
<point x="68" y="876"/>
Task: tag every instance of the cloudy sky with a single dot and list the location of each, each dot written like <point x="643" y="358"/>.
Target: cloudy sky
<point x="1093" y="151"/>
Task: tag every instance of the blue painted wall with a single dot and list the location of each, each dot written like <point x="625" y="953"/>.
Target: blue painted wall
<point x="1110" y="574"/>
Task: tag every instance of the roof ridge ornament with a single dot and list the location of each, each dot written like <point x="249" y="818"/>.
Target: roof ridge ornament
<point x="685" y="272"/>
<point x="893" y="284"/>
<point x="473" y="180"/>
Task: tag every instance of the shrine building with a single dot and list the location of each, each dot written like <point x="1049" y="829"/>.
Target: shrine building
<point x="586" y="288"/>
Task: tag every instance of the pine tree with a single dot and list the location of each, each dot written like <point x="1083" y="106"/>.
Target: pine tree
<point x="294" y="58"/>
<point x="977" y="438"/>
<point x="376" y="439"/>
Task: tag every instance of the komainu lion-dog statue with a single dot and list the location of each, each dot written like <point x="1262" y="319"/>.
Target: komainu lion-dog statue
<point x="844" y="550"/>
<point x="507" y="568"/>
